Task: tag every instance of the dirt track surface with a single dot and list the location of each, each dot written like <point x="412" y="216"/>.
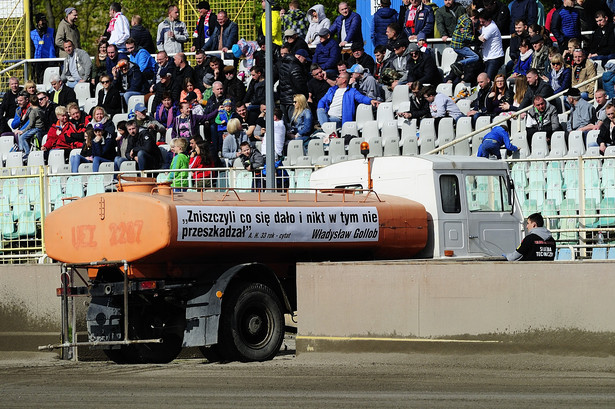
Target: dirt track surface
<point x="314" y="380"/>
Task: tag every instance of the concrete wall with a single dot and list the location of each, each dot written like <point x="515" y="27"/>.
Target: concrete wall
<point x="29" y="307"/>
<point x="442" y="299"/>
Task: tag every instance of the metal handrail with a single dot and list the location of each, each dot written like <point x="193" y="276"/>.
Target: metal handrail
<point x="506" y="119"/>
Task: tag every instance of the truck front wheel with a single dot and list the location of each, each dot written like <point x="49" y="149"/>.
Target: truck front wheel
<point x="252" y="323"/>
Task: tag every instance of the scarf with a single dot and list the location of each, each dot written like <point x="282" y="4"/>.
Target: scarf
<point x="112" y="22"/>
<point x="524" y="56"/>
<point x="555" y="78"/>
<point x="411" y="16"/>
<point x="577" y="71"/>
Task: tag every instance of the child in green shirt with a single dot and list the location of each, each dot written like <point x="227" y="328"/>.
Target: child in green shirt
<point x="179" y="180"/>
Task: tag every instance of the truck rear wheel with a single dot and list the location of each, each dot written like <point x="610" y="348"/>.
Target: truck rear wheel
<point x="252" y="324"/>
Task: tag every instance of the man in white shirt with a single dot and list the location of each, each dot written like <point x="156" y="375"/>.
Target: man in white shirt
<point x="493" y="52"/>
<point x="118" y="30"/>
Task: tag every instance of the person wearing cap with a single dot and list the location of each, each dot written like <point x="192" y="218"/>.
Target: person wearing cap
<point x="109" y="97"/>
<point x="422" y="67"/>
<point x="360" y="57"/>
<point x="339" y="104"/>
<point x="68" y="30"/>
<point x="362" y="80"/>
<point x="77" y="65"/>
<point x="224" y="36"/>
<point x="318" y="20"/>
<point x="418" y="18"/>
<point x="582" y="115"/>
<point x="490" y="36"/>
<point x="399" y="59"/>
<point x="347" y="26"/>
<point x="566" y="23"/>
<point x="294" y="41"/>
<point x="540" y="56"/>
<point x="127" y="78"/>
<point x="235" y="89"/>
<point x="141" y="58"/>
<point x="204" y="25"/>
<point x="142" y="36"/>
<point x="42" y="38"/>
<point x="327" y="52"/>
<point x="293" y="80"/>
<point x="583" y="70"/>
<point x="145" y="121"/>
<point x="295" y="19"/>
<point x="303" y="56"/>
<point x="276" y="23"/>
<point x="118" y="29"/>
<point x="225" y="112"/>
<point x="491" y="144"/>
<point x="421" y="42"/>
<point x="384" y="16"/>
<point x="446" y="18"/>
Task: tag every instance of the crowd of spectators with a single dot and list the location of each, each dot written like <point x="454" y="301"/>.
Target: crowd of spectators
<point x="322" y="73"/>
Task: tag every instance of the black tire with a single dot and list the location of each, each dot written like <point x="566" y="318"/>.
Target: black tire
<point x="151" y="322"/>
<point x="212" y="353"/>
<point x="252" y="323"/>
<point x="158" y="322"/>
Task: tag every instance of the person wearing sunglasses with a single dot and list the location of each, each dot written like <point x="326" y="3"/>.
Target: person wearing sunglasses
<point x="48" y="110"/>
<point x="109" y="97"/>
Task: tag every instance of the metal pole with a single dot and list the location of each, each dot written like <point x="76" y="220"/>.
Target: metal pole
<point x="269" y="101"/>
<point x="27" y="28"/>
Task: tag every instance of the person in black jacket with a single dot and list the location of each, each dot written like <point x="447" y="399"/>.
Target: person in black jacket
<point x="500" y="13"/>
<point x="602" y="44"/>
<point x="9" y="103"/>
<point x="127" y="79"/>
<point x="48" y="110"/>
<point x="479" y="105"/>
<point x="141" y="35"/>
<point x="422" y="67"/>
<point x="360" y="57"/>
<point x="536" y="86"/>
<point x="607" y="129"/>
<point x="293" y="80"/>
<point x="235" y="90"/>
<point x="62" y="95"/>
<point x="294" y="41"/>
<point x="255" y="96"/>
<point x="418" y="107"/>
<point x="109" y="97"/>
<point x="183" y="70"/>
<point x="538" y="244"/>
<point x="141" y="147"/>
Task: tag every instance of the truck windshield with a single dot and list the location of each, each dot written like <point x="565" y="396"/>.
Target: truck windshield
<point x="487" y="193"/>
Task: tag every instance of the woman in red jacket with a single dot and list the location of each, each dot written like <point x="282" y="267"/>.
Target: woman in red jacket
<point x="200" y="158"/>
<point x="59" y="134"/>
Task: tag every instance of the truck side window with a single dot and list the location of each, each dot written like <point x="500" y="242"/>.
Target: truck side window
<point x="449" y="192"/>
<point x="487" y="193"/>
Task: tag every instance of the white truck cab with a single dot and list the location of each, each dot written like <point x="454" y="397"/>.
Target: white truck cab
<point x="472" y="209"/>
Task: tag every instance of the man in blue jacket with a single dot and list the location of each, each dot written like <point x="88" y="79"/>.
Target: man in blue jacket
<point x="494" y="140"/>
<point x="327" y="53"/>
<point x="526" y="10"/>
<point x="141" y="58"/>
<point x="225" y="35"/>
<point x="340" y="103"/>
<point x="419" y="18"/>
<point x="347" y="26"/>
<point x="44" y="47"/>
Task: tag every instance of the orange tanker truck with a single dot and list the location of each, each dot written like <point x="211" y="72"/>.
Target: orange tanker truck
<point x="214" y="269"/>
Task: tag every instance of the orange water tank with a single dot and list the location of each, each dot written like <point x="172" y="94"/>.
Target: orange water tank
<point x="212" y="228"/>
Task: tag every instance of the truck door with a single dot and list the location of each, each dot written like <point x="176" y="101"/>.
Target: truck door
<point x="492" y="229"/>
<point x="453" y="224"/>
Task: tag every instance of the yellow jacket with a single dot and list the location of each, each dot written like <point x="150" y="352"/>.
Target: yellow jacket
<point x="276" y="29"/>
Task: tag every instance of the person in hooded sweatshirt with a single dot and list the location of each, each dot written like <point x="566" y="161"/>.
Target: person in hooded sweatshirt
<point x="318" y="20"/>
<point x="538" y="244"/>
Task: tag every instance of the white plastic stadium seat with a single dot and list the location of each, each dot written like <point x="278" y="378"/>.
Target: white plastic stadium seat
<point x="449" y="56"/>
